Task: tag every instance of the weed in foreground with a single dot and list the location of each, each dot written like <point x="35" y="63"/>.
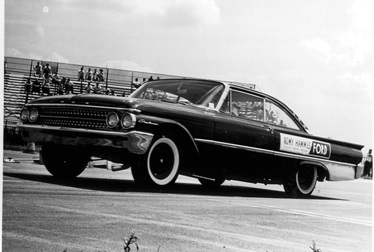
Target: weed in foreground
<point x="131" y="239"/>
<point x="314" y="248"/>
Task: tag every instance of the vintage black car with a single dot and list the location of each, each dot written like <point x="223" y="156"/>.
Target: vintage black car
<point x="211" y="130"/>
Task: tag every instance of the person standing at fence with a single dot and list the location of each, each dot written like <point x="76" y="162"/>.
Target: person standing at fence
<point x="89" y="75"/>
<point x="61" y="86"/>
<point x="38" y="70"/>
<point x="47" y="70"/>
<point x="94" y="75"/>
<point x="81" y="74"/>
<point x="368" y="165"/>
<point x="100" y="75"/>
<point x="136" y="83"/>
<point x="69" y="86"/>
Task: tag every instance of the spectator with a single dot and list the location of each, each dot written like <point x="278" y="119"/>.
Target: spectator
<point x="150" y="78"/>
<point x="368" y="165"/>
<point x="89" y="88"/>
<point x="28" y="85"/>
<point x="94" y="75"/>
<point x="107" y="91"/>
<point x="112" y="93"/>
<point x="35" y="87"/>
<point x="89" y="75"/>
<point x="47" y="70"/>
<point x="69" y="86"/>
<point x="56" y="79"/>
<point x="61" y="86"/>
<point x="81" y="74"/>
<point x="144" y="80"/>
<point x="100" y="75"/>
<point x="38" y="69"/>
<point x="97" y="89"/>
<point x="46" y="88"/>
<point x="136" y="83"/>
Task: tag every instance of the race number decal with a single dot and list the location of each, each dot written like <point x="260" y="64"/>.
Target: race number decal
<point x="304" y="146"/>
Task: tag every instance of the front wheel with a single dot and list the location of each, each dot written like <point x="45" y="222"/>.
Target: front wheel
<point x="160" y="165"/>
<point x="64" y="162"/>
<point x="302" y="182"/>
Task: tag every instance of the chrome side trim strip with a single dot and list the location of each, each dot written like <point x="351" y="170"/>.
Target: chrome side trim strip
<point x="269" y="152"/>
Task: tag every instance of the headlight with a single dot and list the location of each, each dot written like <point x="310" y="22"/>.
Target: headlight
<point x="33" y="115"/>
<point x="112" y="120"/>
<point x="128" y="121"/>
<point x="24" y="115"/>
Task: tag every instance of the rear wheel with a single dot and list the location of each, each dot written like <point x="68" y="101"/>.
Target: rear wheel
<point x="160" y="165"/>
<point x="302" y="182"/>
<point x="64" y="162"/>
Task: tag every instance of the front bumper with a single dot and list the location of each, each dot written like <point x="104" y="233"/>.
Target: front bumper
<point x="134" y="141"/>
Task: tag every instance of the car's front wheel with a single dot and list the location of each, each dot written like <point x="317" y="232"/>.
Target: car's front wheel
<point x="160" y="165"/>
<point x="302" y="182"/>
<point x="64" y="162"/>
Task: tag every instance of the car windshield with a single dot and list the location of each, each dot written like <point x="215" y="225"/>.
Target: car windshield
<point x="202" y="93"/>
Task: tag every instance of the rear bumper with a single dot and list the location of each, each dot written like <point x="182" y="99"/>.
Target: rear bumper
<point x="359" y="171"/>
<point x="134" y="141"/>
<point x="340" y="171"/>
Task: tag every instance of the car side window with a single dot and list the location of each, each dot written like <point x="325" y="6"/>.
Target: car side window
<point x="276" y="115"/>
<point x="246" y="105"/>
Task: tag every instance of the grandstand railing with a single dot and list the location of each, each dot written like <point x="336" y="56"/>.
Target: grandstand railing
<point x="19" y="71"/>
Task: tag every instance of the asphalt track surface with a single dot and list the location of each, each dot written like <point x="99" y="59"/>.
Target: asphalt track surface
<point x="98" y="209"/>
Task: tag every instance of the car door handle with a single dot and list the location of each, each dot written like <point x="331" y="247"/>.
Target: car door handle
<point x="269" y="129"/>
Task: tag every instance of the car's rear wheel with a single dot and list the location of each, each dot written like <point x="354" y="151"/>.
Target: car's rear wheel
<point x="302" y="182"/>
<point x="65" y="162"/>
<point x="160" y="165"/>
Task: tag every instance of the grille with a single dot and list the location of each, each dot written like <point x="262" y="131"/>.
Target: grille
<point x="73" y="117"/>
<point x="74" y="112"/>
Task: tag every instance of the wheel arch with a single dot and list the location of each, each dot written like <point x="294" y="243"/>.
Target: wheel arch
<point x="322" y="171"/>
<point x="180" y="130"/>
<point x="183" y="136"/>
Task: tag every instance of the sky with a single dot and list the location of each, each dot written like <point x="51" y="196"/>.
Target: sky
<point x="315" y="56"/>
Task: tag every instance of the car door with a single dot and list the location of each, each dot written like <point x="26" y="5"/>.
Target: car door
<point x="244" y="143"/>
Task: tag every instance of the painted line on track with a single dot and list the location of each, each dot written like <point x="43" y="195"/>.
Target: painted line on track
<point x="301" y="212"/>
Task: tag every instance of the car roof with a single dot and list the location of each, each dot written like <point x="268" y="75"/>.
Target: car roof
<point x="244" y="87"/>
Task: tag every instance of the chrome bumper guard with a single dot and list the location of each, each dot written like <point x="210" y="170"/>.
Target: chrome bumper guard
<point x="359" y="171"/>
<point x="134" y="141"/>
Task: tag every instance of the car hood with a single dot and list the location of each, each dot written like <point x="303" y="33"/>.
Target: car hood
<point x="146" y="106"/>
<point x="85" y="99"/>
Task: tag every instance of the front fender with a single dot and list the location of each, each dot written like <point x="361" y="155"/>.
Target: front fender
<point x="155" y="124"/>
